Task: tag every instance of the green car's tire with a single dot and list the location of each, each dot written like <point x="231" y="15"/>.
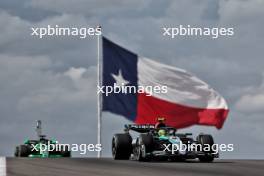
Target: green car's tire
<point x="66" y="152"/>
<point x="148" y="141"/>
<point x="138" y="152"/>
<point x="121" y="146"/>
<point x="22" y="151"/>
<point x="144" y="145"/>
<point x="16" y="152"/>
<point x="206" y="139"/>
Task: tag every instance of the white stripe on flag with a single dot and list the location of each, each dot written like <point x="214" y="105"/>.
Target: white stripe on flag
<point x="183" y="87"/>
<point x="2" y="166"/>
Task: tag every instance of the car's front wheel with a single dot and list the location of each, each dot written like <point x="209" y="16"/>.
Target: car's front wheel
<point x="140" y="152"/>
<point x="144" y="145"/>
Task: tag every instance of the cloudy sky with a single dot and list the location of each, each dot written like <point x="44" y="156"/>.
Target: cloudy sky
<point x="54" y="79"/>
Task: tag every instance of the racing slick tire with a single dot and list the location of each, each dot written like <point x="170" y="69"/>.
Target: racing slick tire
<point x="208" y="140"/>
<point x="147" y="140"/>
<point x="66" y="152"/>
<point x="22" y="151"/>
<point x="138" y="152"/>
<point x="16" y="151"/>
<point x="144" y="145"/>
<point x="121" y="146"/>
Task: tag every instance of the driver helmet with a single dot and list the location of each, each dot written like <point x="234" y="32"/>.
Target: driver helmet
<point x="161" y="132"/>
<point x="161" y="119"/>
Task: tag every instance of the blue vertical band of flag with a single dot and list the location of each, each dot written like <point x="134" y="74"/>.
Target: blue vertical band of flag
<point x="116" y="58"/>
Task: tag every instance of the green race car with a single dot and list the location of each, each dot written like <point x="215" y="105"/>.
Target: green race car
<point x="42" y="148"/>
<point x="161" y="143"/>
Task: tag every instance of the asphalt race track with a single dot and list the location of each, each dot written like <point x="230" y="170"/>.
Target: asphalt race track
<point x="110" y="167"/>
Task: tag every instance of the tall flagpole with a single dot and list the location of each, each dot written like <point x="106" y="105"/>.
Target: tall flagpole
<point x="99" y="96"/>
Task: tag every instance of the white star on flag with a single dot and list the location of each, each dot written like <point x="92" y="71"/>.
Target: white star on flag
<point x="120" y="81"/>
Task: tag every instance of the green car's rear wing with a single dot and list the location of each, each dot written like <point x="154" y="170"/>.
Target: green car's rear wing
<point x="139" y="128"/>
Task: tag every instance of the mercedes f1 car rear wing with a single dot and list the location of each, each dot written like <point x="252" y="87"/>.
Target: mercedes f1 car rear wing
<point x="139" y="128"/>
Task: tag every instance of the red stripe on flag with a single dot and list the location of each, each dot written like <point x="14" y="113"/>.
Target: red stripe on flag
<point x="179" y="116"/>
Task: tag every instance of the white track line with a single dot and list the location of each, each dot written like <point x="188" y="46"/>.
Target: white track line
<point x="2" y="166"/>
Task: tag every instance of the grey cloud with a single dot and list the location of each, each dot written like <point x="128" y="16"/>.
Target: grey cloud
<point x="21" y="9"/>
<point x="16" y="39"/>
<point x="252" y="100"/>
<point x="251" y="103"/>
<point x="91" y="7"/>
<point x="211" y="11"/>
<point x="241" y="11"/>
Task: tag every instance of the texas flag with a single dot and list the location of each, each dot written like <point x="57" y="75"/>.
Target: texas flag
<point x="187" y="101"/>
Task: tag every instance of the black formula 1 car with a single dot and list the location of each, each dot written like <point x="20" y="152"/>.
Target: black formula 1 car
<point x="161" y="143"/>
<point x="40" y="148"/>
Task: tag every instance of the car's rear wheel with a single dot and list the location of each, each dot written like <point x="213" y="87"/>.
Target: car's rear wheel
<point x="121" y="146"/>
<point x="66" y="152"/>
<point x="206" y="140"/>
<point x="22" y="151"/>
